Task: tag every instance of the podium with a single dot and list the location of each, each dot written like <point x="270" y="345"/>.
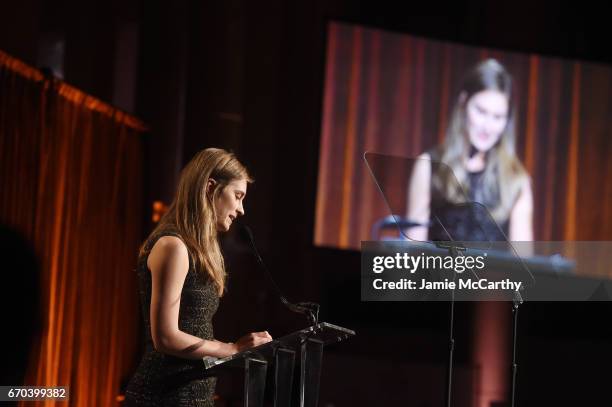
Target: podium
<point x="280" y="354"/>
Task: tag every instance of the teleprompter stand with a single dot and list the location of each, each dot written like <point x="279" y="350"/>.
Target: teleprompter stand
<point x="456" y="226"/>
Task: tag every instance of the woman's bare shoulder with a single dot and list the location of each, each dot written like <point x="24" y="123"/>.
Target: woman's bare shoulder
<point x="170" y="243"/>
<point x="422" y="164"/>
<point x="168" y="249"/>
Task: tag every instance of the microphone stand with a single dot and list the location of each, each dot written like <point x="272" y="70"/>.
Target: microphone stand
<point x="309" y="309"/>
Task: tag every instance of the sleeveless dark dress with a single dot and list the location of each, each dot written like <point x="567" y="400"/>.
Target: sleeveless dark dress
<point x="165" y="380"/>
<point x="470" y="222"/>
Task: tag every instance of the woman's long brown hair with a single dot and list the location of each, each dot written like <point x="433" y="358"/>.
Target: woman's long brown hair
<point x="192" y="213"/>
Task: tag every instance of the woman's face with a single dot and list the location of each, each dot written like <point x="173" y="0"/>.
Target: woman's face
<point x="487" y="116"/>
<point x="228" y="204"/>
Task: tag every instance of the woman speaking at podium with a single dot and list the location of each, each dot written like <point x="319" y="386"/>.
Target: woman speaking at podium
<point x="181" y="277"/>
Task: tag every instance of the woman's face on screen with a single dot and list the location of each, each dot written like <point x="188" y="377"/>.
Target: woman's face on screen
<point x="487" y="116"/>
<point x="228" y="204"/>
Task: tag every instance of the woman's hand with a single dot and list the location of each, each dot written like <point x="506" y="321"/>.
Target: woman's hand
<point x="251" y="340"/>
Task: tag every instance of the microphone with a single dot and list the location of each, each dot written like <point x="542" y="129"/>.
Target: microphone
<point x="310" y="309"/>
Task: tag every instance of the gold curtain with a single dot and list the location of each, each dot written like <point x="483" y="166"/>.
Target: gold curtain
<point x="71" y="179"/>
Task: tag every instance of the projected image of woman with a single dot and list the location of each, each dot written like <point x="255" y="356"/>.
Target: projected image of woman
<point x="479" y="148"/>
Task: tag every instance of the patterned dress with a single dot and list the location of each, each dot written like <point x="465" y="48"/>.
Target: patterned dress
<point x="165" y="380"/>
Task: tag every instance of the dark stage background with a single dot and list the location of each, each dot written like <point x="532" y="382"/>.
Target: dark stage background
<point x="248" y="76"/>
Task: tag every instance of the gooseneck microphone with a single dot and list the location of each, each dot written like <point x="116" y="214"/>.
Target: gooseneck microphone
<point x="310" y="309"/>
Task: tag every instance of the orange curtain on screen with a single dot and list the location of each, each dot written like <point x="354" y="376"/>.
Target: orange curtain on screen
<point x="70" y="171"/>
